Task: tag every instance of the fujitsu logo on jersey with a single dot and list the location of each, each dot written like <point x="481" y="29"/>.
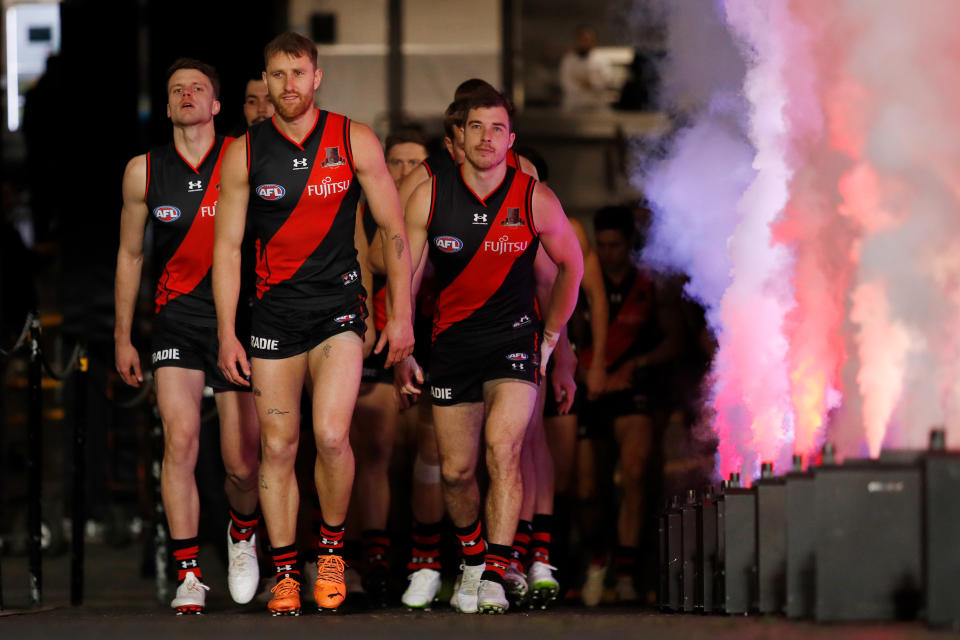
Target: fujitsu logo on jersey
<point x="208" y="211"/>
<point x="327" y="187"/>
<point x="504" y="245"/>
<point x="448" y="244"/>
<point x="166" y="213"/>
<point x="271" y="191"/>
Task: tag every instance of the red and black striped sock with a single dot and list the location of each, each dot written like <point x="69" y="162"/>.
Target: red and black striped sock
<point x="521" y="543"/>
<point x="471" y="543"/>
<point x="496" y="561"/>
<point x="242" y="525"/>
<point x="331" y="539"/>
<point x="425" y="550"/>
<point x="625" y="561"/>
<point x="376" y="548"/>
<point x="540" y="546"/>
<point x="286" y="562"/>
<point x="186" y="557"/>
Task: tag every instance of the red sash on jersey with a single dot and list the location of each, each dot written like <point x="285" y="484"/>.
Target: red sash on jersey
<point x="286" y="251"/>
<point x="193" y="258"/>
<point x="623" y="330"/>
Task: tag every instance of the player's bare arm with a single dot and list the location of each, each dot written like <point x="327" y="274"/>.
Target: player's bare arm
<point x="560" y="243"/>
<point x="596" y="294"/>
<point x="366" y="277"/>
<point x="565" y="360"/>
<point x="133" y="219"/>
<point x="228" y="238"/>
<point x="384" y="205"/>
<point x="408" y="373"/>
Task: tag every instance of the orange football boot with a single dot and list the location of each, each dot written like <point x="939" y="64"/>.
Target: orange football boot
<point x="286" y="598"/>
<point x="329" y="590"/>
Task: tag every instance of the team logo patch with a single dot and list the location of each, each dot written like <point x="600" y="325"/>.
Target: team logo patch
<point x="345" y="318"/>
<point x="271" y="191"/>
<point x="448" y="244"/>
<point x="333" y="159"/>
<point x="165" y="213"/>
<point x="513" y="218"/>
<point x="517" y="356"/>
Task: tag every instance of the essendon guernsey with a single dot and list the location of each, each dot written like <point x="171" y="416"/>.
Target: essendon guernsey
<point x="303" y="203"/>
<point x="181" y="204"/>
<point x="483" y="250"/>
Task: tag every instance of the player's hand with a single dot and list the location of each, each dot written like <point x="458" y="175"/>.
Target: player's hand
<point x="407" y="374"/>
<point x="399" y="335"/>
<point x="564" y="388"/>
<point x="233" y="362"/>
<point x="596" y="380"/>
<point x="128" y="363"/>
<point x="549" y="343"/>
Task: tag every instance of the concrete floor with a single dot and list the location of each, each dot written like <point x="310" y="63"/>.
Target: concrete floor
<point x="121" y="604"/>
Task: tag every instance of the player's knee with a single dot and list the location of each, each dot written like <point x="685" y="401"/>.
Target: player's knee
<point x="180" y="446"/>
<point x="503" y="456"/>
<point x="241" y="475"/>
<point x="330" y="443"/>
<point x="456" y="473"/>
<point x="278" y="448"/>
<point x="632" y="472"/>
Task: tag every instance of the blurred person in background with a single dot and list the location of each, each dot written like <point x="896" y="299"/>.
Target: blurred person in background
<point x="583" y="73"/>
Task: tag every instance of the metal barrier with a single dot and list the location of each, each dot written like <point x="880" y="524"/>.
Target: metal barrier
<point x="77" y="364"/>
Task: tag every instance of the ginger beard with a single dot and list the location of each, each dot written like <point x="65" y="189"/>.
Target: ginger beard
<point x="289" y="109"/>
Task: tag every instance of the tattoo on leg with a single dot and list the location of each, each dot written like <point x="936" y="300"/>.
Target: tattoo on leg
<point x="279" y="412"/>
<point x="326" y="350"/>
<point x="257" y="392"/>
<point x="398" y="245"/>
<point x="263" y="481"/>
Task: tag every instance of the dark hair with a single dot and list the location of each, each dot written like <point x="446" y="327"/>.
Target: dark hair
<point x="485" y="99"/>
<point x="292" y="44"/>
<point x="617" y="218"/>
<point x="467" y="87"/>
<point x="408" y="134"/>
<point x="202" y="67"/>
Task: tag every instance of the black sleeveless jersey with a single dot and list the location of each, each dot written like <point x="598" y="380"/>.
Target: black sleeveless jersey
<point x="181" y="203"/>
<point x="303" y="203"/>
<point x="439" y="162"/>
<point x="483" y="250"/>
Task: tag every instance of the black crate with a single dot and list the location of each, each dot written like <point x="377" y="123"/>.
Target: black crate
<point x="737" y="548"/>
<point x="688" y="553"/>
<point x="801" y="544"/>
<point x="771" y="545"/>
<point x="707" y="558"/>
<point x="868" y="553"/>
<point x="941" y="489"/>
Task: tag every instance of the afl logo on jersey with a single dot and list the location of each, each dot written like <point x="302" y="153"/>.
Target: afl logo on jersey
<point x="448" y="244"/>
<point x="345" y="318"/>
<point x="271" y="191"/>
<point x="166" y="213"/>
<point x="517" y="356"/>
